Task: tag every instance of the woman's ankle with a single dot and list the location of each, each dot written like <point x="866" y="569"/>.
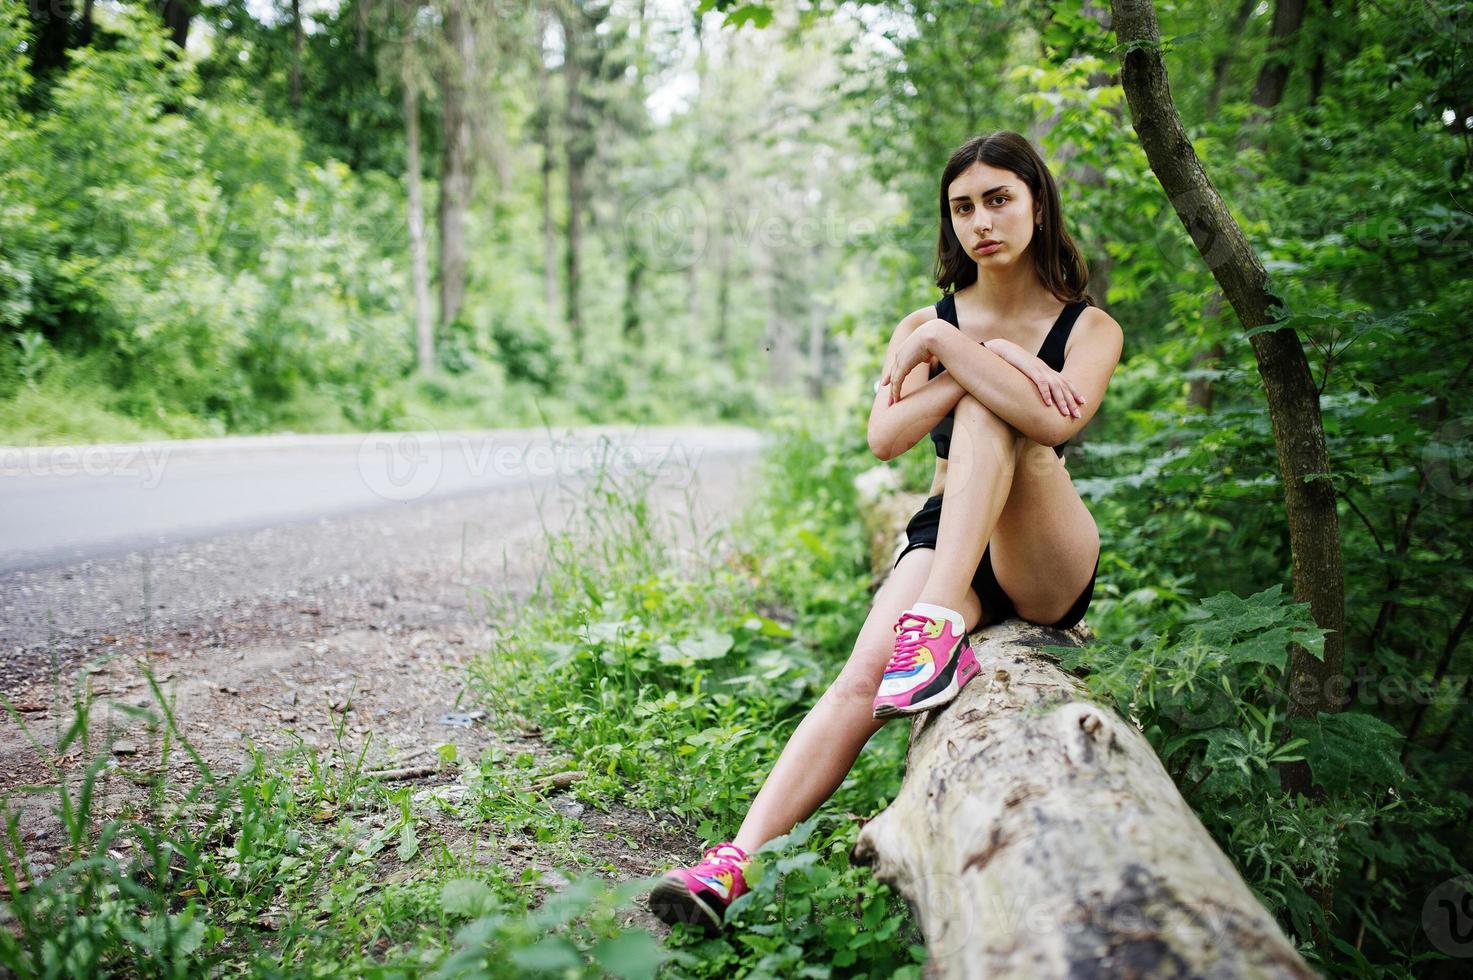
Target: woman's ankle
<point x="751" y="842"/>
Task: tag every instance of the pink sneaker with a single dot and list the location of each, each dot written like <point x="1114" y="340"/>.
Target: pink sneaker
<point x="700" y="895"/>
<point x="931" y="663"/>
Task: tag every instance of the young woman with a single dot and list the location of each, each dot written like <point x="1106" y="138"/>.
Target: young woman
<point x="1002" y="371"/>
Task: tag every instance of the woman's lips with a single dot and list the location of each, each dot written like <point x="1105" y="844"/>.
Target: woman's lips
<point x="987" y="249"/>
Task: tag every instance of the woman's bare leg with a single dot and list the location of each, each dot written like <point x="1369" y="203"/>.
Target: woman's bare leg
<point x="979" y="477"/>
<point x="825" y="744"/>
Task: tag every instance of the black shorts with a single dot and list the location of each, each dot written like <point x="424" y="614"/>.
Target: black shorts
<point x="996" y="606"/>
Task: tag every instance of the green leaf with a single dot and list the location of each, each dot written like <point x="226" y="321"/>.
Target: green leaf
<point x="633" y="955"/>
<point x="705" y="645"/>
<point x="767" y="627"/>
<point x="554" y="953"/>
<point x="756" y="14"/>
<point x="1351" y="751"/>
<point x="408" y="843"/>
<point x="467" y="896"/>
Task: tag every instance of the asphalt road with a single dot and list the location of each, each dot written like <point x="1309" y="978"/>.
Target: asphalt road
<point x="207" y="542"/>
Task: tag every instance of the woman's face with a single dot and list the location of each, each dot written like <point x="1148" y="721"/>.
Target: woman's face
<point x="989" y="205"/>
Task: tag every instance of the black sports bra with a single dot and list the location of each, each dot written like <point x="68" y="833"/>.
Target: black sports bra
<point x="1051" y="353"/>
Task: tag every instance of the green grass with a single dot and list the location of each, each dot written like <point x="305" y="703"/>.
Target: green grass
<point x="55" y="412"/>
<point x="67" y="401"/>
<point x="672" y="678"/>
<point x="676" y="678"/>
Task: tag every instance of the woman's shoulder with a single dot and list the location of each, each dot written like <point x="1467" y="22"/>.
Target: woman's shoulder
<point x="1098" y="327"/>
<point x="1095" y="319"/>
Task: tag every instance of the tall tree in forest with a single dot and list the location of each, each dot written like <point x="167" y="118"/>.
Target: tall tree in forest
<point x="578" y="20"/>
<point x="177" y="16"/>
<point x="1293" y="398"/>
<point x="592" y="65"/>
<point x="1268" y="91"/>
<point x="457" y="77"/>
<point x="1273" y="74"/>
<point x="1223" y="59"/>
<point x="298" y="36"/>
<point x="54" y="32"/>
<point x="543" y="120"/>
<point x="409" y="77"/>
<point x="406" y="53"/>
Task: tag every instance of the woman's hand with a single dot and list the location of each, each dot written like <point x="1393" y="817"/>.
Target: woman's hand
<point x="917" y="349"/>
<point x="1055" y="389"/>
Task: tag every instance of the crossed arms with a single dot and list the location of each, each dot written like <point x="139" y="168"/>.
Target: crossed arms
<point x="1046" y="406"/>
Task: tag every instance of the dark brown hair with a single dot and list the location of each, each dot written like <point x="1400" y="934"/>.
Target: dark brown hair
<point x="1060" y="265"/>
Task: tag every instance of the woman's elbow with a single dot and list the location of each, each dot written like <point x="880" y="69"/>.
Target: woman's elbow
<point x="881" y="443"/>
<point x="1055" y="432"/>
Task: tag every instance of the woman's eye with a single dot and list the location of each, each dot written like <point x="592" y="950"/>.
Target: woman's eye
<point x="1000" y="197"/>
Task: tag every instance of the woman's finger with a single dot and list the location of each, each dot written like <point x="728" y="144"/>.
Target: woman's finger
<point x="1065" y="399"/>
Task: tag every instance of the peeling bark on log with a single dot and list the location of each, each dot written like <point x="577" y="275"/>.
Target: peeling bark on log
<point x="1037" y="835"/>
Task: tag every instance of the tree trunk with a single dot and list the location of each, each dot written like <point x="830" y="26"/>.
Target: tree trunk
<point x="455" y="167"/>
<point x="1314" y="685"/>
<point x="84" y="36"/>
<point x="574" y="255"/>
<point x="817" y="342"/>
<point x="634" y="267"/>
<point x="297" y="39"/>
<point x="721" y="341"/>
<point x="578" y="150"/>
<point x="419" y="260"/>
<point x="544" y="140"/>
<point x="52" y="24"/>
<point x="1037" y="835"/>
<point x="1200" y="393"/>
<point x="177" y="15"/>
<point x="1273" y="75"/>
<point x="781" y="349"/>
<point x="1224" y="58"/>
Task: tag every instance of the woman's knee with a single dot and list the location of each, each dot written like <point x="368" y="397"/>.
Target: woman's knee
<point x="970" y="411"/>
<point x="859" y="680"/>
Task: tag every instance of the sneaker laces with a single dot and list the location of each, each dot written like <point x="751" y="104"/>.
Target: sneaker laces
<point x="909" y="642"/>
<point x="714" y="857"/>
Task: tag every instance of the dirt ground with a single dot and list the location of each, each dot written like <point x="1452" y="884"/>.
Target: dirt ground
<point x="266" y="658"/>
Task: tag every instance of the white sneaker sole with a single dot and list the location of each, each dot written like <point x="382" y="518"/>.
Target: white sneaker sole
<point x="672" y="902"/>
<point x="944" y="696"/>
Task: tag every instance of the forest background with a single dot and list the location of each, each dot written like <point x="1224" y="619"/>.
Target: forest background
<point x="239" y="217"/>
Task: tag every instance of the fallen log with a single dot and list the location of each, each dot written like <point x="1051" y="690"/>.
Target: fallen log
<point x="1037" y="835"/>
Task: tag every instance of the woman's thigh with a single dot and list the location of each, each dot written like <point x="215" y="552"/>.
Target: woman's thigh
<point x="1046" y="542"/>
<point x="861" y="675"/>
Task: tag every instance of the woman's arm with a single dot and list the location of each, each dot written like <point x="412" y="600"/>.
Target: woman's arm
<point x="1094" y="351"/>
<point x="895" y="426"/>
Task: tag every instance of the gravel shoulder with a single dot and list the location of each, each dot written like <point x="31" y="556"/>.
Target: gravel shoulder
<point x="354" y="627"/>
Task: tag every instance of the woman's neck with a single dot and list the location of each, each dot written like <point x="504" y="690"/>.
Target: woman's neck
<point x="1007" y="294"/>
